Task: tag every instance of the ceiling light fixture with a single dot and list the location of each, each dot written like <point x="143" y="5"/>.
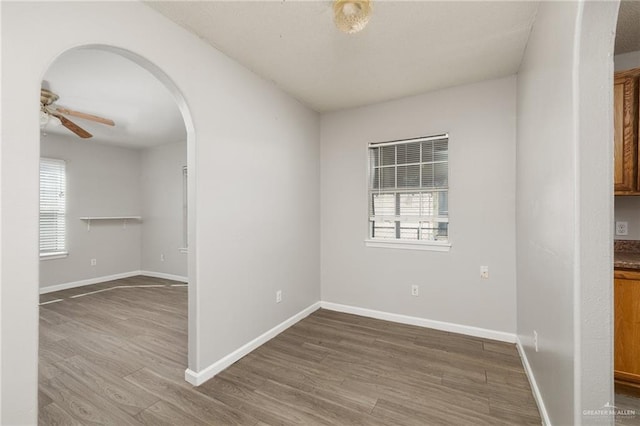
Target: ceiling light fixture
<point x="351" y="16"/>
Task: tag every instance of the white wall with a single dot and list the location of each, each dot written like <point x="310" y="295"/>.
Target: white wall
<point x="107" y="180"/>
<point x="480" y="119"/>
<point x="564" y="206"/>
<point x="236" y="262"/>
<point x="102" y="180"/>
<point x="626" y="61"/>
<point x="162" y="191"/>
<point x="628" y="208"/>
<point x="593" y="284"/>
<point x="546" y="205"/>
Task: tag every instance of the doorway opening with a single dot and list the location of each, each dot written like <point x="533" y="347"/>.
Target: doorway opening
<point x="114" y="235"/>
<point x="627" y="213"/>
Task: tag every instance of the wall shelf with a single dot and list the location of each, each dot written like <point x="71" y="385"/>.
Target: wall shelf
<point x="124" y="219"/>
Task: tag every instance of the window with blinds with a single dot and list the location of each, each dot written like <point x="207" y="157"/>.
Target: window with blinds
<point x="52" y="207"/>
<point x="409" y="189"/>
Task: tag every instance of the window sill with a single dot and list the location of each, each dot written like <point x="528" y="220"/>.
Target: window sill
<point x="53" y="256"/>
<point x="409" y="245"/>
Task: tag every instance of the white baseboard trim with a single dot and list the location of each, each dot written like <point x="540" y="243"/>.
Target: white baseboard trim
<point x="96" y="280"/>
<point x="534" y="385"/>
<point x="164" y="276"/>
<point x="423" y="322"/>
<point x="198" y="378"/>
<point x="105" y="278"/>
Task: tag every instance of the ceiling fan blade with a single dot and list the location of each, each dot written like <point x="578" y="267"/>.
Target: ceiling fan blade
<point x="85" y="116"/>
<point x="72" y="126"/>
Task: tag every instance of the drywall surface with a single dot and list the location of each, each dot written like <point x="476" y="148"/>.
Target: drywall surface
<point x="593" y="285"/>
<point x="102" y="180"/>
<point x="627" y="209"/>
<point x="162" y="208"/>
<point x="546" y="206"/>
<point x="626" y="61"/>
<point x="565" y="208"/>
<point x="480" y="120"/>
<point x="107" y="180"/>
<point x="253" y="152"/>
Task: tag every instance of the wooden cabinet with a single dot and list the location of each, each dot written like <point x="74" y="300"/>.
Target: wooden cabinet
<point x="625" y="143"/>
<point x="626" y="118"/>
<point x="627" y="327"/>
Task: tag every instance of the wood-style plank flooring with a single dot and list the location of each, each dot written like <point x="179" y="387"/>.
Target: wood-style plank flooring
<point x="117" y="357"/>
<point x="629" y="408"/>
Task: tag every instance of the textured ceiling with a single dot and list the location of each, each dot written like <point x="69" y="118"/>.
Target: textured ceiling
<point x="628" y="32"/>
<point x="408" y="47"/>
<point x="111" y="86"/>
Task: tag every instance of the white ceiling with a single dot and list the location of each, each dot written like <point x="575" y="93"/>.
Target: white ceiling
<point x="409" y="47"/>
<point x="111" y="86"/>
<point x="628" y="31"/>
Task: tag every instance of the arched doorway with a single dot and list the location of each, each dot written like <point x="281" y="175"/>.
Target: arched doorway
<point x="93" y="354"/>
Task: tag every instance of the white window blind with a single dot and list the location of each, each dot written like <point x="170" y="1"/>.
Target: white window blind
<point x="52" y="207"/>
<point x="409" y="189"/>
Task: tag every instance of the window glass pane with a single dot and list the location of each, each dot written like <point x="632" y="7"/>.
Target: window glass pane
<point x="434" y="231"/>
<point x="384" y="205"/>
<point x="443" y="231"/>
<point x="440" y="175"/>
<point x="427" y="204"/>
<point x="427" y="176"/>
<point x="375" y="179"/>
<point x="443" y="203"/>
<point x="409" y="153"/>
<point x="434" y="203"/>
<point x="409" y="230"/>
<point x="410" y="204"/>
<point x="427" y="151"/>
<point x="388" y="177"/>
<point x="388" y="155"/>
<point x="441" y="151"/>
<point x="382" y="229"/>
<point x="374" y="157"/>
<point x="428" y="231"/>
<point x="409" y="176"/>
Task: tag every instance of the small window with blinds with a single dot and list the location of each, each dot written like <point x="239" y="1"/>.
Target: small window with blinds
<point x="409" y="190"/>
<point x="52" y="207"/>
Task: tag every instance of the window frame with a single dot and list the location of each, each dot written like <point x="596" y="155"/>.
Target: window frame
<point x="404" y="244"/>
<point x="58" y="254"/>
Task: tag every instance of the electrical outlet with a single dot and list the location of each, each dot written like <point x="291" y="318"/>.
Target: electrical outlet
<point x="622" y="228"/>
<point x="161" y="257"/>
<point x="415" y="290"/>
<point x="535" y="340"/>
<point x="484" y="272"/>
<point x="278" y="296"/>
<point x="94" y="262"/>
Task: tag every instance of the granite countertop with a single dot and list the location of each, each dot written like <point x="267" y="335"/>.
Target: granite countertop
<point x="626" y="254"/>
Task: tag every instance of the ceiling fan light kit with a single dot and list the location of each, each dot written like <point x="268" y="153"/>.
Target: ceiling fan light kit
<point x="351" y="16"/>
<point x="54" y="114"/>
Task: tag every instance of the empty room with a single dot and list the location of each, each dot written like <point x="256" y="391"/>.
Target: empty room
<point x="319" y="212"/>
